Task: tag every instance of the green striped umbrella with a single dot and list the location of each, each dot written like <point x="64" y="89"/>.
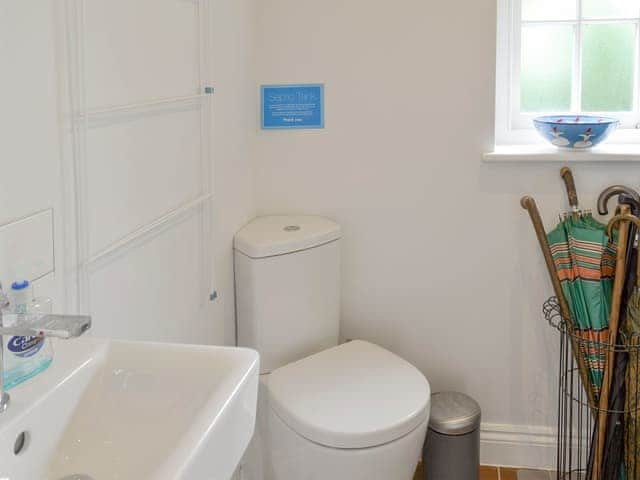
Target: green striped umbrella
<point x="585" y="263"/>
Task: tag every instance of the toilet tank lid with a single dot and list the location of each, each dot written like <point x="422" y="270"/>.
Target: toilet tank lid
<point x="280" y="234"/>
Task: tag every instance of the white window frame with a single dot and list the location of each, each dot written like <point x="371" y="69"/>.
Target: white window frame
<point x="516" y="128"/>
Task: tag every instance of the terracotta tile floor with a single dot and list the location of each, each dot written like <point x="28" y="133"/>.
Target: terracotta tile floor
<point x="503" y="473"/>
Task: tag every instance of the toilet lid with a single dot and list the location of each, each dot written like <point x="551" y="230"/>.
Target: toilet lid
<point x="356" y="395"/>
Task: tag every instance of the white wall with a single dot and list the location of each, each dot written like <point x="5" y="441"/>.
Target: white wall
<point x="234" y="117"/>
<point x="29" y="137"/>
<point x="121" y="195"/>
<point x="440" y="262"/>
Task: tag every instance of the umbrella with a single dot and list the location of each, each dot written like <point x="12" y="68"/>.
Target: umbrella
<point x="584" y="261"/>
<point x="529" y="204"/>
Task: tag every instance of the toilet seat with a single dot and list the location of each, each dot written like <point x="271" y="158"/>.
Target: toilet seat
<point x="356" y="395"/>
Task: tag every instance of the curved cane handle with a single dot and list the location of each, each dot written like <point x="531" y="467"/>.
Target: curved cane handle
<point x="611" y="191"/>
<point x="622" y="218"/>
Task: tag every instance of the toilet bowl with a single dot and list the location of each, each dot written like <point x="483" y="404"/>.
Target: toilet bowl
<point x="293" y="457"/>
<point x="353" y="411"/>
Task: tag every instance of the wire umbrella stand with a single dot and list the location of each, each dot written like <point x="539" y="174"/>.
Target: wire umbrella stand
<point x="577" y="418"/>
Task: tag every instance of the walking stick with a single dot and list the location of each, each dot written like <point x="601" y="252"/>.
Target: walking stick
<point x="614" y="320"/>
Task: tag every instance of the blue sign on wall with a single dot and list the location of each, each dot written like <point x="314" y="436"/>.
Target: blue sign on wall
<point x="292" y="106"/>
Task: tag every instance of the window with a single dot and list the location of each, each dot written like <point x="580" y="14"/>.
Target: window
<point x="559" y="56"/>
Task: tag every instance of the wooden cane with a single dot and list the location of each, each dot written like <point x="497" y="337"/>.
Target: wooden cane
<point x="614" y="323"/>
<point x="529" y="204"/>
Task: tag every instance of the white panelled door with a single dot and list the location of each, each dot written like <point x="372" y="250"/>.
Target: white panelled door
<point x="139" y="164"/>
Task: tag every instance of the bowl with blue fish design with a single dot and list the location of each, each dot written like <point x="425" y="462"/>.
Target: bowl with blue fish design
<point x="575" y="132"/>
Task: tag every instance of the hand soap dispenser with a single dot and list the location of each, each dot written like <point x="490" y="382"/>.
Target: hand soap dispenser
<point x="25" y="357"/>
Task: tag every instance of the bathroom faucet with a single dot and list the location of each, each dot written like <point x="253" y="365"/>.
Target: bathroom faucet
<point x="36" y="325"/>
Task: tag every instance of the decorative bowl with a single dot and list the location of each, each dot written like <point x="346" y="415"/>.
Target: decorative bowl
<point x="575" y="132"/>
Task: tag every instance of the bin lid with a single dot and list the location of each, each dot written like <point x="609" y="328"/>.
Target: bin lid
<point x="281" y="234"/>
<point x="454" y="413"/>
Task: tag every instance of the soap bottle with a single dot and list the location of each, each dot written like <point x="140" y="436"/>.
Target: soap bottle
<point x="20" y="296"/>
<point x="25" y="357"/>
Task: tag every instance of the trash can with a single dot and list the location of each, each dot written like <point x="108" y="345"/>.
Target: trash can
<point x="452" y="447"/>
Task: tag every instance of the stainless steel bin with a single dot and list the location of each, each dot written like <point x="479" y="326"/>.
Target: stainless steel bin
<point x="452" y="447"/>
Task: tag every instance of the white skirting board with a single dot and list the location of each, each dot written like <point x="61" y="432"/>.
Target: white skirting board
<point x="521" y="446"/>
<point x="518" y="446"/>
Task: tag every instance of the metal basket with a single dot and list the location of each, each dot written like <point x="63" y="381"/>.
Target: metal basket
<point x="577" y="418"/>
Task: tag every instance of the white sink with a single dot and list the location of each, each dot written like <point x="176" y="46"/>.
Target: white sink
<point x="132" y="411"/>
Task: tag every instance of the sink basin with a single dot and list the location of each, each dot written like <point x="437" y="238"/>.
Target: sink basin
<point x="108" y="410"/>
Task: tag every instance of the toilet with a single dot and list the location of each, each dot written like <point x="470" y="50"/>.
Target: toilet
<point x="350" y="411"/>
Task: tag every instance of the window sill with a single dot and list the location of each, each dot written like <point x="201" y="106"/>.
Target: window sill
<point x="547" y="153"/>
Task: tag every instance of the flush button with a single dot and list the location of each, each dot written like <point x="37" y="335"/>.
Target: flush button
<point x="291" y="228"/>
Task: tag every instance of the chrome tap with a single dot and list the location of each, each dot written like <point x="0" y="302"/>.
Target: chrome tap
<point x="35" y="325"/>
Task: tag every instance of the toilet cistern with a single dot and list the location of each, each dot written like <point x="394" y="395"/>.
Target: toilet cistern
<point x="36" y="325"/>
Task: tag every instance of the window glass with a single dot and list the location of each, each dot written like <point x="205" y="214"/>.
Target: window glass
<point x="546" y="70"/>
<point x="534" y="10"/>
<point x="608" y="55"/>
<point x="611" y="8"/>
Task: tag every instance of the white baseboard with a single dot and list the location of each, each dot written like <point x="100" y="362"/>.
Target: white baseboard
<point x="518" y="446"/>
<point x="521" y="446"/>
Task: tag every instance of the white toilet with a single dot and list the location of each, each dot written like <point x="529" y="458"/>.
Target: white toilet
<point x="325" y="412"/>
